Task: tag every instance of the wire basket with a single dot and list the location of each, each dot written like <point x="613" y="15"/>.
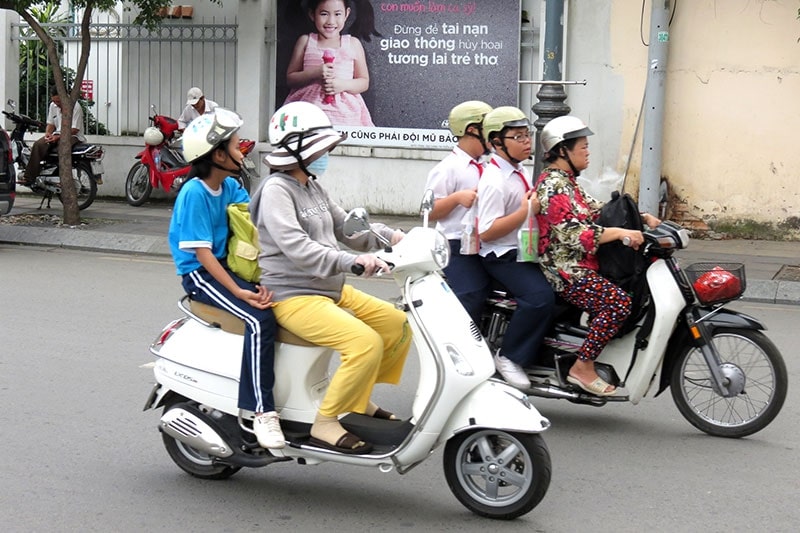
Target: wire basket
<point x="716" y="283"/>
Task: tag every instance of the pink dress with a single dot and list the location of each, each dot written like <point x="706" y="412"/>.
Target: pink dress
<point x="347" y="109"/>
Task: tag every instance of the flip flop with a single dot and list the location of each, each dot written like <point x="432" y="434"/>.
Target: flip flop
<point x="347" y="443"/>
<point x="597" y="387"/>
<point x="384" y="415"/>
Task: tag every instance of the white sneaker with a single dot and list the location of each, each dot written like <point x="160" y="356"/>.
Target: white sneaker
<point x="267" y="427"/>
<point x="511" y="372"/>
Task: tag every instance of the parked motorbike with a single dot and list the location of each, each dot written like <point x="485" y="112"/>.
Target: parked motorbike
<point x="87" y="163"/>
<point x="495" y="460"/>
<point x="161" y="163"/>
<point x="726" y="377"/>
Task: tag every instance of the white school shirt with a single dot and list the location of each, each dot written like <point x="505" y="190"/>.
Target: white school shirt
<point x="456" y="172"/>
<point x="54" y="118"/>
<point x="500" y="192"/>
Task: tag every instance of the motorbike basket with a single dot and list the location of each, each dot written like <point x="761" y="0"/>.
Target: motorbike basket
<point x="716" y="283"/>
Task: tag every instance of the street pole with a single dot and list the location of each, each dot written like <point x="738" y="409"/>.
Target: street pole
<point x="551" y="95"/>
<point x="652" y="137"/>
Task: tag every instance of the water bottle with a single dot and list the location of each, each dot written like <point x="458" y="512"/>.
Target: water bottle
<point x="528" y="238"/>
<point x="470" y="241"/>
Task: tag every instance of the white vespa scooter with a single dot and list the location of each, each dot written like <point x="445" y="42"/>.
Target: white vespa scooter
<point x="495" y="461"/>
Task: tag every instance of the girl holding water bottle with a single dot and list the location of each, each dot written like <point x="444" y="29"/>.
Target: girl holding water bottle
<point x="328" y="68"/>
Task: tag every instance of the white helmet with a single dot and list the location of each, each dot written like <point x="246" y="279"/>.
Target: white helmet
<point x="561" y="129"/>
<point x="208" y="131"/>
<point x="300" y="132"/>
<point x="153" y="136"/>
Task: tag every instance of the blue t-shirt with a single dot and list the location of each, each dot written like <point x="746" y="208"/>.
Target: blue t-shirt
<point x="199" y="220"/>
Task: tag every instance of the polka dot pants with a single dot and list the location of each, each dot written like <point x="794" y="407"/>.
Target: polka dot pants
<point x="607" y="305"/>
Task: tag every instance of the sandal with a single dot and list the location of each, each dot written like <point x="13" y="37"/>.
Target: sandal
<point x="597" y="387"/>
<point x="347" y="443"/>
<point x="384" y="415"/>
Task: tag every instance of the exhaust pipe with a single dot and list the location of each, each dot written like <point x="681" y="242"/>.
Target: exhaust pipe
<point x="191" y="430"/>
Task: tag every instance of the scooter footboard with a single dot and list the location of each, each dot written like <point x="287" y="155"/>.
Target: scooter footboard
<point x="494" y="404"/>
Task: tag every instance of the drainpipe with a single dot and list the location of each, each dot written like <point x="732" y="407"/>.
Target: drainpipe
<point x="652" y="138"/>
<point x="551" y="95"/>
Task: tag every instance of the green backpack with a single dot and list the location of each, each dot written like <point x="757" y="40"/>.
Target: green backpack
<point x="243" y="244"/>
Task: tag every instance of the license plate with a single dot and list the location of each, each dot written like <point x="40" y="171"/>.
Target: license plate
<point x="248" y="164"/>
<point x="97" y="168"/>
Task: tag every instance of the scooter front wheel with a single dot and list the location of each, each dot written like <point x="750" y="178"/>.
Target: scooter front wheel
<point x="137" y="185"/>
<point x="497" y="474"/>
<point x="755" y="370"/>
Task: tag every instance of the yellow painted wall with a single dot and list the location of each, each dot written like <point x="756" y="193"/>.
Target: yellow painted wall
<point x="732" y="110"/>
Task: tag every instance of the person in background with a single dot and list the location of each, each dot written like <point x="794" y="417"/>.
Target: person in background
<point x="52" y="133"/>
<point x="196" y="105"/>
<point x="198" y="237"/>
<point x="329" y="69"/>
<point x="299" y="228"/>
<point x="569" y="241"/>
<point x="504" y="195"/>
<point x="454" y="182"/>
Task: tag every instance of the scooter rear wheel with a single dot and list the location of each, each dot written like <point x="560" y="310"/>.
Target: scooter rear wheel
<point x="497" y="474"/>
<point x="195" y="462"/>
<point x="85" y="185"/>
<point x="137" y="185"/>
<point x="755" y="368"/>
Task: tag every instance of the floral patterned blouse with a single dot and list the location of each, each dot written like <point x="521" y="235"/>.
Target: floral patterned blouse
<point x="568" y="234"/>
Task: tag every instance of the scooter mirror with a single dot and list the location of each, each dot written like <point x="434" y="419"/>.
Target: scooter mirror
<point x="357" y="221"/>
<point x="12" y="104"/>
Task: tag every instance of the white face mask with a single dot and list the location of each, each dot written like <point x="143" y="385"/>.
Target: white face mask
<point x="319" y="166"/>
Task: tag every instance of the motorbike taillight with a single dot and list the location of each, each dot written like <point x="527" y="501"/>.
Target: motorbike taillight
<point x="168" y="330"/>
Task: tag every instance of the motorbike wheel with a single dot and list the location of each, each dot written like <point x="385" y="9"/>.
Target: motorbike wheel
<point x="497" y="474"/>
<point x="137" y="185"/>
<point x="193" y="461"/>
<point x="85" y="185"/>
<point x="755" y="366"/>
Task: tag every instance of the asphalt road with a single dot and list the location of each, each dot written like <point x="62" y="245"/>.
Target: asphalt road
<point x="80" y="455"/>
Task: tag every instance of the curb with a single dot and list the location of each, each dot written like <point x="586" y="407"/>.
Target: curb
<point x="761" y="291"/>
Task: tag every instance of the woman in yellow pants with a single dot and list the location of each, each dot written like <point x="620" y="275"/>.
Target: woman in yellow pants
<point x="299" y="230"/>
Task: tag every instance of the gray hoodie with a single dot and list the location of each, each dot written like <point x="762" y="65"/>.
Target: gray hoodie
<point x="298" y="229"/>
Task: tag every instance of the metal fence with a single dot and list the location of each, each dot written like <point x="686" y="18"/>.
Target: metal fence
<point x="130" y="68"/>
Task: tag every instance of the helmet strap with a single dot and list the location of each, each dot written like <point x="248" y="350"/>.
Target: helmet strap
<point x="297" y="156"/>
<point x="564" y="153"/>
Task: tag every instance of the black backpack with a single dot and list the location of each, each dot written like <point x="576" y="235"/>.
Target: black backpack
<point x="619" y="263"/>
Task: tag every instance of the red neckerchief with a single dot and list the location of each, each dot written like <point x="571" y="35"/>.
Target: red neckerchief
<point x="518" y="173"/>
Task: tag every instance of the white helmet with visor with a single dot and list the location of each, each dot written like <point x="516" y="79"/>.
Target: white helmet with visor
<point x="208" y="131"/>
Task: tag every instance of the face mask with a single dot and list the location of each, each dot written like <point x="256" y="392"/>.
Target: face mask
<point x="319" y="166"/>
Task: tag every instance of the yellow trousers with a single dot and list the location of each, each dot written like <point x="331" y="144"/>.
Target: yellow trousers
<point x="373" y="342"/>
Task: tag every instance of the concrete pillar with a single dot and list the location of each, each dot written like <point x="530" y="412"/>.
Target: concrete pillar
<point x="253" y="66"/>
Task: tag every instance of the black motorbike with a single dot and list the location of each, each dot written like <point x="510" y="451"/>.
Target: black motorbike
<point x="87" y="163"/>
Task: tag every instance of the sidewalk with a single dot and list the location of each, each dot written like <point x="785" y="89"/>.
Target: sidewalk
<point x="772" y="268"/>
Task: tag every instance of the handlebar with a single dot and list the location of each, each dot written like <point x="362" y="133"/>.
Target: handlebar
<point x="23" y="119"/>
<point x="357" y="269"/>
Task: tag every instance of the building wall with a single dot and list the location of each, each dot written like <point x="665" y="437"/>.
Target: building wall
<point x="733" y="80"/>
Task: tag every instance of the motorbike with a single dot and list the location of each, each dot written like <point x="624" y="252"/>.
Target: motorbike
<point x="87" y="163"/>
<point x="725" y="375"/>
<point x="161" y="163"/>
<point x="495" y="460"/>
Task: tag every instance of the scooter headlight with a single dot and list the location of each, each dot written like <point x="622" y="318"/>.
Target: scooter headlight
<point x="441" y="250"/>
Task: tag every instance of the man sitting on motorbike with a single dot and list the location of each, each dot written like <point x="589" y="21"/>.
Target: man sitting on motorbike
<point x="196" y="105"/>
<point x="298" y="227"/>
<point x="52" y="133"/>
<point x="569" y="241"/>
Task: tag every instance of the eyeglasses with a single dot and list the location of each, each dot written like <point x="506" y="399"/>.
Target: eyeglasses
<point x="226" y="122"/>
<point x="520" y="137"/>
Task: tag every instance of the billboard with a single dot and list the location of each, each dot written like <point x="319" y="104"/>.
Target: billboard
<point x="422" y="58"/>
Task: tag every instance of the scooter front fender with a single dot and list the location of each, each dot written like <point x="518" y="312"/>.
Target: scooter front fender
<point x="494" y="404"/>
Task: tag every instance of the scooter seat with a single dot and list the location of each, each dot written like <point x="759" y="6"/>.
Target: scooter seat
<point x="233" y="324"/>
